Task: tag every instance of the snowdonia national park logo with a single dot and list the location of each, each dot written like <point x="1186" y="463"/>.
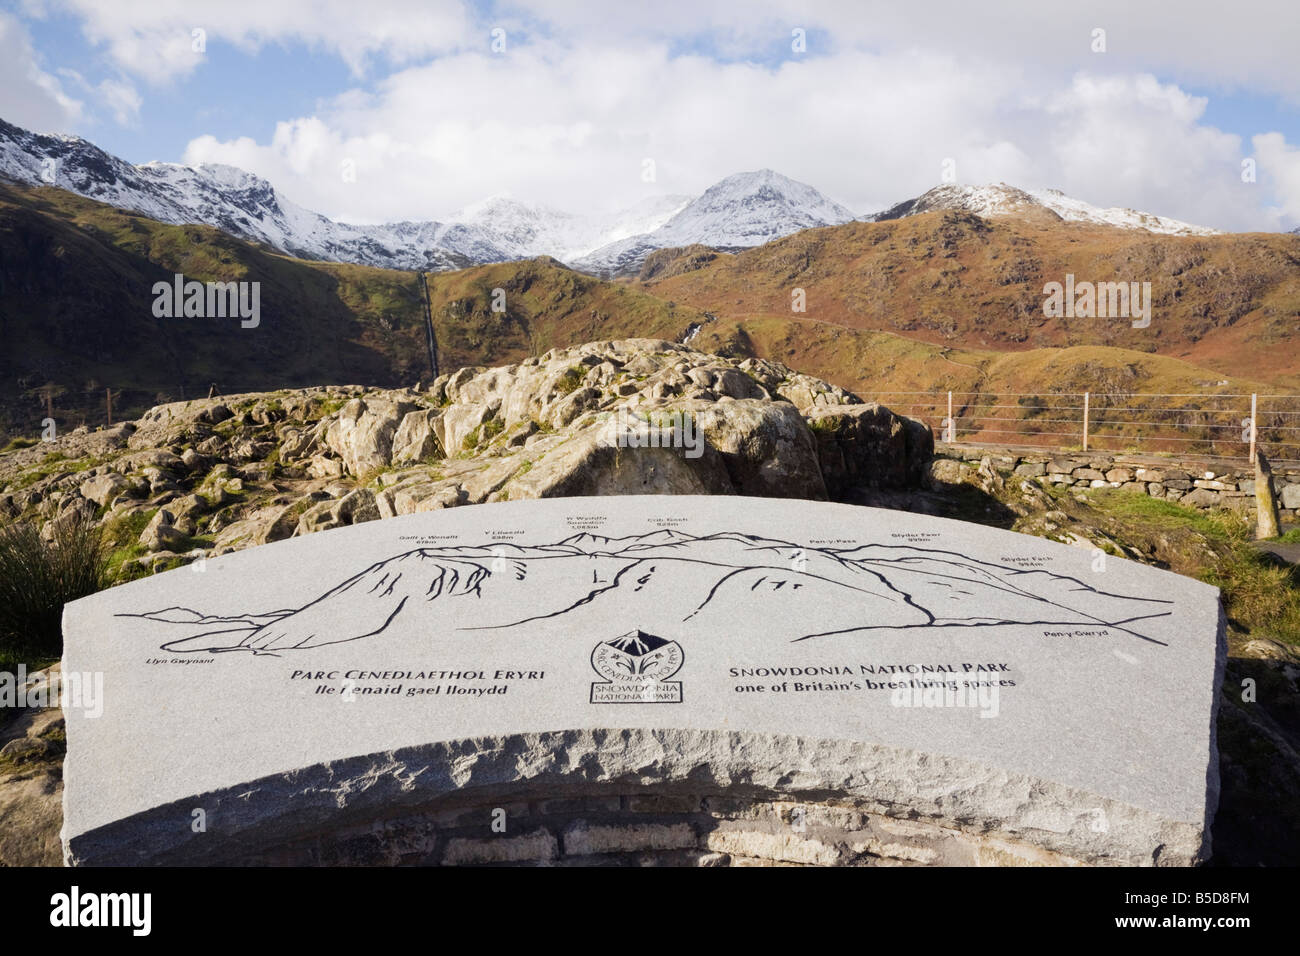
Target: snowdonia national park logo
<point x="636" y="667"/>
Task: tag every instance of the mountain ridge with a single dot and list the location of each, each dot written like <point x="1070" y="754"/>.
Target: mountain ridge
<point x="496" y="229"/>
<point x="1000" y="199"/>
<point x="741" y="211"/>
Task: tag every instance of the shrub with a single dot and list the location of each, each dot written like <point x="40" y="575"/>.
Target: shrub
<point x="37" y="578"/>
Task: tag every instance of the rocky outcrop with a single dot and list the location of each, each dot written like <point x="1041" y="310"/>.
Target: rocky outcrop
<point x="869" y="446"/>
<point x="632" y="416"/>
<point x="362" y="433"/>
<point x="666" y="263"/>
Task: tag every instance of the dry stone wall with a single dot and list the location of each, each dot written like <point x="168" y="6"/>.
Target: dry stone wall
<point x="1189" y="482"/>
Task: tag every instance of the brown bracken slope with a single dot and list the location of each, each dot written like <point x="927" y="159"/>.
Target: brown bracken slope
<point x="1229" y="304"/>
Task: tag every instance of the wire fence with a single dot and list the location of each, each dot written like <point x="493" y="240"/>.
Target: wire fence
<point x="1210" y="425"/>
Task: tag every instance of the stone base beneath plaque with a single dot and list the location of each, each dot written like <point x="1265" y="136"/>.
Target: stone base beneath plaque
<point x="653" y="828"/>
<point x="658" y="797"/>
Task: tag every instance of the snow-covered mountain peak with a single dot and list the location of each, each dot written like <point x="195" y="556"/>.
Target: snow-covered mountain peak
<point x="1001" y="199"/>
<point x="743" y="210"/>
<point x="748" y="209"/>
<point x="219" y="173"/>
<point x="500" y="204"/>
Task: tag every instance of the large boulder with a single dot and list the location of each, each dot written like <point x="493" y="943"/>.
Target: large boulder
<point x="355" y="507"/>
<point x="416" y="438"/>
<point x="458" y="423"/>
<point x="161" y="533"/>
<point x="329" y="456"/>
<point x="868" y="446"/>
<point x="1290" y="497"/>
<point x="104" y="489"/>
<point x="363" y="431"/>
<point x="766" y="447"/>
<point x="588" y="464"/>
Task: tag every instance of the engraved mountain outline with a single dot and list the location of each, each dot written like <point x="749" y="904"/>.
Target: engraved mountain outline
<point x="670" y="581"/>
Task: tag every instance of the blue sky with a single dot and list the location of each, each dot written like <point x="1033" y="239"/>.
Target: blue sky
<point x="432" y="118"/>
<point x="236" y="92"/>
<point x="1245" y="113"/>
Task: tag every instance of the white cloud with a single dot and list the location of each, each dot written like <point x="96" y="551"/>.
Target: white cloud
<point x="119" y="97"/>
<point x="587" y="90"/>
<point x="155" y="39"/>
<point x="29" y="96"/>
<point x="1279" y="166"/>
<point x="1193" y="41"/>
<point x="1133" y="141"/>
<point x="571" y="128"/>
<point x="122" y="99"/>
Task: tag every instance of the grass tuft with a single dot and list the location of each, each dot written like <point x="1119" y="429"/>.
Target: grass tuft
<point x="37" y="577"/>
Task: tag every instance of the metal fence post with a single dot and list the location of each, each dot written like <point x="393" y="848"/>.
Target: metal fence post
<point x="952" y="425"/>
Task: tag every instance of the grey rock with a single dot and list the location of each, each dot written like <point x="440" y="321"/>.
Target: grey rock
<point x="1291" y="496"/>
<point x="30" y="819"/>
<point x="946" y="471"/>
<point x="415" y="438"/>
<point x="588" y="465"/>
<point x="1200" y="498"/>
<point x="25" y="748"/>
<point x="868" y="445"/>
<point x="362" y="432"/>
<point x="161" y="534"/>
<point x="766" y="447"/>
<point x="456" y="424"/>
<point x="105" y="488"/>
<point x="355" y="507"/>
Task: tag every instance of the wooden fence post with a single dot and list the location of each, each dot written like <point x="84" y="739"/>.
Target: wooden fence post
<point x="1087" y="396"/>
<point x="1254" y="405"/>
